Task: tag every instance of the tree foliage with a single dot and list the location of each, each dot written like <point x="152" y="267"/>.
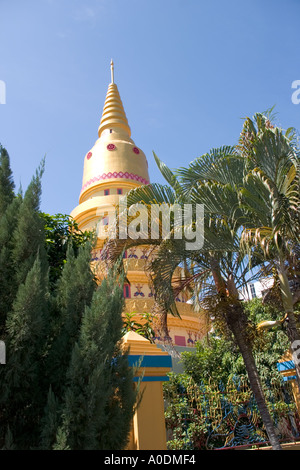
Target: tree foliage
<point x="203" y="402"/>
<point x="62" y="332"/>
<point x="7" y="185"/>
<point x="215" y="358"/>
<point x="99" y="398"/>
<point x="61" y="233"/>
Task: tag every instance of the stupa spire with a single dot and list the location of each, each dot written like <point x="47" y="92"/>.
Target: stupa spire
<point x="113" y="116"/>
<point x="112" y="71"/>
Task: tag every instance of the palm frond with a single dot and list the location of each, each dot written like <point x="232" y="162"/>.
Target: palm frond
<point x="169" y="176"/>
<point x="222" y="165"/>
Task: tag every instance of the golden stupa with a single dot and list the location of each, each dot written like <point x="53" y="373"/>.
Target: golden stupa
<point x="112" y="167"/>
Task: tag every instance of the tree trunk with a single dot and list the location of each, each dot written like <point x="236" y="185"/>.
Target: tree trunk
<point x="238" y="331"/>
<point x="237" y="323"/>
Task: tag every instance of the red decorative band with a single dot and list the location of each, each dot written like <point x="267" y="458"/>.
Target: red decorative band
<point x="120" y="174"/>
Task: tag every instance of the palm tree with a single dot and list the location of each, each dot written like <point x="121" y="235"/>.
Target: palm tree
<point x="214" y="272"/>
<point x="270" y="198"/>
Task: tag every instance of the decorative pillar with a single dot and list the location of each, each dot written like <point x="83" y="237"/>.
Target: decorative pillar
<point x="148" y="428"/>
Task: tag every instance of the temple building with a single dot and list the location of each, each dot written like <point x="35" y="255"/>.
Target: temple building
<point x="112" y="167"/>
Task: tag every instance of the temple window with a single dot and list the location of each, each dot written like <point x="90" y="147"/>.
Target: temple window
<point x="126" y="291"/>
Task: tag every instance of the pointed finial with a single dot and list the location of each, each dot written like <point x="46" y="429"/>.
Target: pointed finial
<point x="112" y="71"/>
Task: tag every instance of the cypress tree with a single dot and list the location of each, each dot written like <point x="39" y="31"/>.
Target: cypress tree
<point x="74" y="292"/>
<point x="8" y="284"/>
<point x="22" y="398"/>
<point x="9" y="205"/>
<point x="100" y="396"/>
<point x="50" y="421"/>
<point x="29" y="235"/>
<point x="7" y="185"/>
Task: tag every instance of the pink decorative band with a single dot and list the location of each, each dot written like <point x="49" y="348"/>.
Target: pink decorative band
<point x="120" y="174"/>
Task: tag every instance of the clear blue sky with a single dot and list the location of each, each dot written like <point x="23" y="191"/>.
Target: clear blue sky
<point x="188" y="71"/>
